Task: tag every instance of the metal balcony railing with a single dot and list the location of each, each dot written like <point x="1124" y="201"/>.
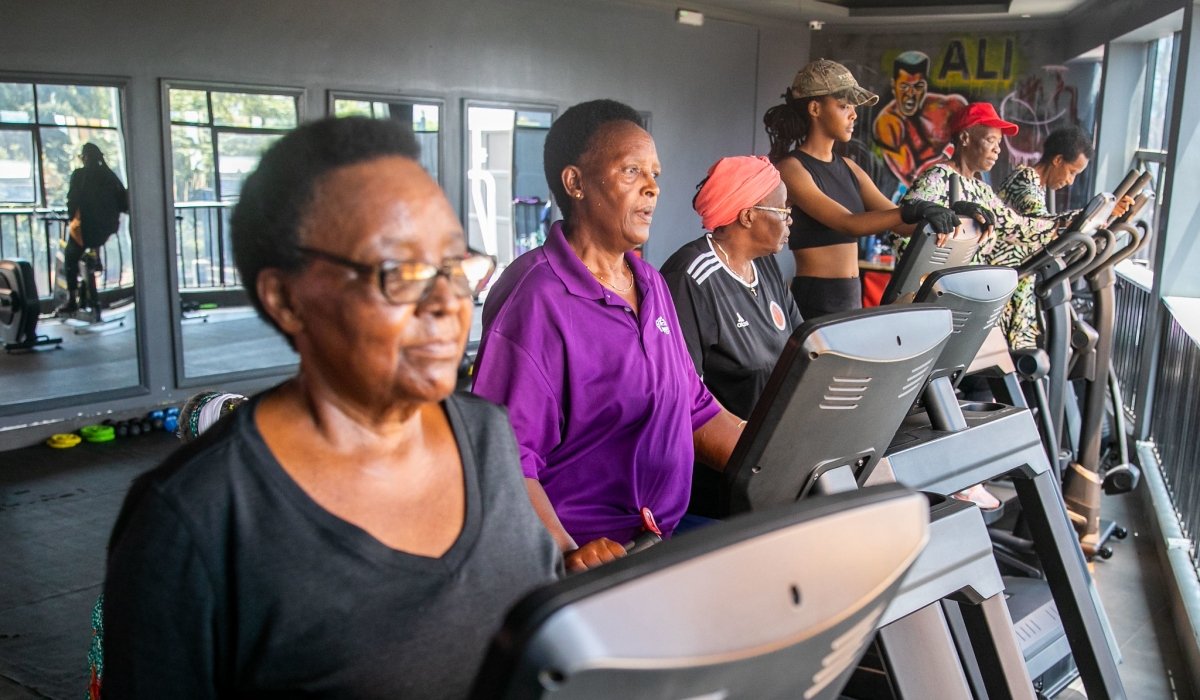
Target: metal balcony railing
<point x="1175" y="422"/>
<point x="34" y="234"/>
<point x="1133" y="308"/>
<point x="203" y="249"/>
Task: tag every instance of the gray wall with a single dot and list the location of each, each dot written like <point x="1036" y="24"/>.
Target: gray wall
<point x="703" y="85"/>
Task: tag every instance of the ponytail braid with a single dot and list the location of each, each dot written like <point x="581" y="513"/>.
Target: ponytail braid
<point x="787" y="125"/>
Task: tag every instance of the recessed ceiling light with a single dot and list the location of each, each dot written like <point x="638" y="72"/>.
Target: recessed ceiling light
<point x="1026" y="16"/>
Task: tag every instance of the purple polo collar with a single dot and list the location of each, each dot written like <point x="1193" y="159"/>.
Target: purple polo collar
<point x="575" y="275"/>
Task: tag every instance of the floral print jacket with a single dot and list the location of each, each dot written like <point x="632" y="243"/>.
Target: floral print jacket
<point x="1017" y="237"/>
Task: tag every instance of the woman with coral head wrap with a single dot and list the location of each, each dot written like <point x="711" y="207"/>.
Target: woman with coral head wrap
<point x="735" y="310"/>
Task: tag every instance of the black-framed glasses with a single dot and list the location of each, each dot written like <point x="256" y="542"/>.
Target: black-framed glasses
<point x="409" y="281"/>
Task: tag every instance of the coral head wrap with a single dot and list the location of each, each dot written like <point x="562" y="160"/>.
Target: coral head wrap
<point x="734" y="184"/>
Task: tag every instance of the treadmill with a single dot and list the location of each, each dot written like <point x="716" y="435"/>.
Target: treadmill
<point x="841" y="387"/>
<point x="775" y="605"/>
<point x="946" y="446"/>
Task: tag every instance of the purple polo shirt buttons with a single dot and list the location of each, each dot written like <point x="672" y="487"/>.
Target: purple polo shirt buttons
<point x="605" y="429"/>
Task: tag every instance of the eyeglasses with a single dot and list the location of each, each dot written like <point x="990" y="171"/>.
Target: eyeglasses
<point x="410" y="281"/>
<point x="784" y="214"/>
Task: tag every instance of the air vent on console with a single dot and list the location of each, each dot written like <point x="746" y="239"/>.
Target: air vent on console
<point x="995" y="315"/>
<point x="916" y="378"/>
<point x="960" y="318"/>
<point x="939" y="256"/>
<point x="843" y="651"/>
<point x="845" y="393"/>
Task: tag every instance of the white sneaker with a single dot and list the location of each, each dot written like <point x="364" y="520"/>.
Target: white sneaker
<point x="980" y="496"/>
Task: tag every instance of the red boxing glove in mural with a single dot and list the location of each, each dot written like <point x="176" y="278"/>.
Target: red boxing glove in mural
<point x="913" y="130"/>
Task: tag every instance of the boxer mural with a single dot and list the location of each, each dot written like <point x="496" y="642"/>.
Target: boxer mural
<point x="912" y="130"/>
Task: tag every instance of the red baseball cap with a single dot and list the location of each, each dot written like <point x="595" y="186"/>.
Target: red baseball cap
<point x="980" y="113"/>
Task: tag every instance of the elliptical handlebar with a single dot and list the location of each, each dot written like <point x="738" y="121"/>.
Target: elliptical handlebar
<point x="1136" y="238"/>
<point x="1127" y="184"/>
<point x="1062" y="245"/>
<point x="1107" y="245"/>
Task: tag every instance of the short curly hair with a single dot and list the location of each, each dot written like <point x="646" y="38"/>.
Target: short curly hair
<point x="265" y="225"/>
<point x="1070" y="142"/>
<point x="570" y="138"/>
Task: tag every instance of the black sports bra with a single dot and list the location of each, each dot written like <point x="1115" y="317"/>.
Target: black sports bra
<point x="839" y="184"/>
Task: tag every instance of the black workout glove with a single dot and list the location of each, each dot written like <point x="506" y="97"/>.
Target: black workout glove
<point x="973" y="211"/>
<point x="941" y="219"/>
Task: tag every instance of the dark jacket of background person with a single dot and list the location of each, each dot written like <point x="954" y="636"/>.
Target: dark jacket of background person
<point x="97" y="195"/>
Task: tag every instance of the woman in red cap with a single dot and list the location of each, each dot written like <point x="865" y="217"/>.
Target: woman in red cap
<point x="734" y="307"/>
<point x="977" y="135"/>
<point x="834" y="202"/>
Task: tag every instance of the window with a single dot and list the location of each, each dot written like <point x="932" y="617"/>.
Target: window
<point x="508" y="201"/>
<point x="1151" y="155"/>
<point x="43" y="127"/>
<point x="217" y="138"/>
<point x="423" y="117"/>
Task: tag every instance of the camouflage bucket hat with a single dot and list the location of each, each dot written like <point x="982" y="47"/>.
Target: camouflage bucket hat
<point x="822" y="77"/>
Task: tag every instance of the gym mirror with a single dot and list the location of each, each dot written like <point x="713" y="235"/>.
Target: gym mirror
<point x="217" y="136"/>
<point x="422" y="114"/>
<point x="67" y="322"/>
<point x="507" y="200"/>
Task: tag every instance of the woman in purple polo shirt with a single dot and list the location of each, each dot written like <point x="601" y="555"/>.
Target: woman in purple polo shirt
<point x="582" y="344"/>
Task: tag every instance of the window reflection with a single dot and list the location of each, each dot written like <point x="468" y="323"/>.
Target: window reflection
<point x="61" y="144"/>
<point x="217" y="139"/>
<point x="424" y="119"/>
<point x="508" y="200"/>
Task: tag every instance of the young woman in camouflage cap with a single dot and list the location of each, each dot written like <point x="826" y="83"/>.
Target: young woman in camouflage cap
<point x="834" y="202"/>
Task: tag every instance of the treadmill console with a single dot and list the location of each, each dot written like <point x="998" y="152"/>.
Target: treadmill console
<point x="861" y="370"/>
<point x="923" y="255"/>
<point x="1094" y="215"/>
<point x="775" y="605"/>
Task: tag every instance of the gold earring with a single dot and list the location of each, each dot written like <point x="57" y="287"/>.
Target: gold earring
<point x="578" y="195"/>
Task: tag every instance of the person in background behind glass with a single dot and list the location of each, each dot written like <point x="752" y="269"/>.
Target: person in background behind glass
<point x="95" y="201"/>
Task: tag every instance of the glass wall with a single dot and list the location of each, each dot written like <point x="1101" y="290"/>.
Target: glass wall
<point x="80" y="275"/>
<point x="423" y="116"/>
<point x="1151" y="155"/>
<point x="508" y="202"/>
<point x="217" y="138"/>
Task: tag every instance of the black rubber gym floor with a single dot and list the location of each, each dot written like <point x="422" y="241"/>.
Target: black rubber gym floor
<point x="57" y="508"/>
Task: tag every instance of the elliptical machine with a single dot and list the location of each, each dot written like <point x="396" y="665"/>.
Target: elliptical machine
<point x="1087" y="357"/>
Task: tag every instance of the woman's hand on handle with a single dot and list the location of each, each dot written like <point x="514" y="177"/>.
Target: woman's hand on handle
<point x="590" y="555"/>
<point x="593" y="554"/>
<point x="981" y="214"/>
<point x="1122" y="206"/>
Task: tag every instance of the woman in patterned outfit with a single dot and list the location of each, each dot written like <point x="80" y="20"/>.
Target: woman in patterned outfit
<point x="978" y="131"/>
<point x="1065" y="154"/>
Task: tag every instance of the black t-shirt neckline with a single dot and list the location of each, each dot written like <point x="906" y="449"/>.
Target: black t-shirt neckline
<point x="356" y="538"/>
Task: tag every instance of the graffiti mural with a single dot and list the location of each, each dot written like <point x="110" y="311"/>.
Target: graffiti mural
<point x="912" y="131"/>
<point x="924" y="79"/>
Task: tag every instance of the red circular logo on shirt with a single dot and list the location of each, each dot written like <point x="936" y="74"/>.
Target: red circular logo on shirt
<point x="777" y="316"/>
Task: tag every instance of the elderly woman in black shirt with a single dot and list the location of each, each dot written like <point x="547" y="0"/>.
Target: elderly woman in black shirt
<point x="359" y="531"/>
<point x="735" y="310"/>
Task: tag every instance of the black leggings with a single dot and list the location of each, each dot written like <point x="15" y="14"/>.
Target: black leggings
<point x="821" y="296"/>
<point x="71" y="257"/>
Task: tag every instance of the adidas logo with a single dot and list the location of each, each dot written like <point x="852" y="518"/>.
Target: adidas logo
<point x="741" y="322"/>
